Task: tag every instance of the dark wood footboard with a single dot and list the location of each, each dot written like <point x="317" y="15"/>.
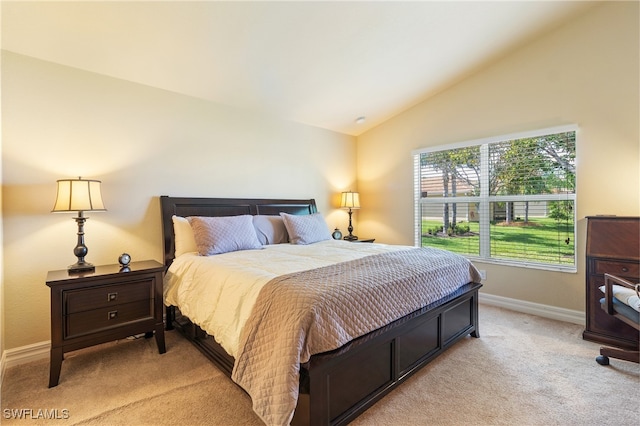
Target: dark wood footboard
<point x="337" y="386"/>
<point x="344" y="383"/>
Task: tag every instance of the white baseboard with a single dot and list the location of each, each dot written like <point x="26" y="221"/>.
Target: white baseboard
<point x="545" y="311"/>
<point x="2" y="368"/>
<point x="24" y="354"/>
<point x="41" y="350"/>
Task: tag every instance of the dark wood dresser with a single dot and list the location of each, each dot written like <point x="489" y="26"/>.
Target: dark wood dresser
<point x="103" y="305"/>
<point x="613" y="246"/>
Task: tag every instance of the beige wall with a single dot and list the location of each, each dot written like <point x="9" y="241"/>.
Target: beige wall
<point x="60" y="122"/>
<point x="586" y="73"/>
<point x="2" y="309"/>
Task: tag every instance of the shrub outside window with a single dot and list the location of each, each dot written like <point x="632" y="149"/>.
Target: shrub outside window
<point x="508" y="199"/>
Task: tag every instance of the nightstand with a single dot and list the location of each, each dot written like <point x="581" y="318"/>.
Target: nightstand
<point x="107" y="304"/>
<point x="363" y="240"/>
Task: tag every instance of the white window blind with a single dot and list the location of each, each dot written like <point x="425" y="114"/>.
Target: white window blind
<point x="508" y="199"/>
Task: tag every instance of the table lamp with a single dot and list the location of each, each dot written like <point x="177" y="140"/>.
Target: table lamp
<point x="350" y="200"/>
<point x="79" y="195"/>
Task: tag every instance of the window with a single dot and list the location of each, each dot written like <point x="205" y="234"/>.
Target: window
<point x="508" y="199"/>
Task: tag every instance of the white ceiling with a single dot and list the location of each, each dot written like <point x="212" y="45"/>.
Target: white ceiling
<point x="319" y="63"/>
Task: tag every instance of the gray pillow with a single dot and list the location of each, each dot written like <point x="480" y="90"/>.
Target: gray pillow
<point x="216" y="235"/>
<point x="306" y="229"/>
<point x="270" y="229"/>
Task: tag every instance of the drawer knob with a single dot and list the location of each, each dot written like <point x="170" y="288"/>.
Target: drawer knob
<point x="113" y="315"/>
<point x="112" y="296"/>
<point x="625" y="269"/>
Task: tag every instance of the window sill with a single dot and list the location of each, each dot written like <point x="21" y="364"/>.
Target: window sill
<point x="569" y="269"/>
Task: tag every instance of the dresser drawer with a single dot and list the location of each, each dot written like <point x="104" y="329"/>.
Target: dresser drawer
<point x="103" y="318"/>
<point x="104" y="296"/>
<point x="620" y="268"/>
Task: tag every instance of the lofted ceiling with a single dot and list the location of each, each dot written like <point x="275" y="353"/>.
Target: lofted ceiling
<point x="319" y="63"/>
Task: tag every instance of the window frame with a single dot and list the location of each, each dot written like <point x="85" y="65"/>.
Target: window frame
<point x="485" y="199"/>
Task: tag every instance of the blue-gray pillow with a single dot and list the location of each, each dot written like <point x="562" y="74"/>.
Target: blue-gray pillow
<point x="306" y="229"/>
<point x="216" y="235"/>
<point x="270" y="229"/>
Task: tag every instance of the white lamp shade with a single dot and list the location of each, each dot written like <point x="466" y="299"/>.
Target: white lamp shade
<point x="75" y="195"/>
<point x="350" y="200"/>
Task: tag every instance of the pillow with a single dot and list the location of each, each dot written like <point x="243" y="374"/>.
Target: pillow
<point x="183" y="236"/>
<point x="306" y="229"/>
<point x="270" y="229"/>
<point x="216" y="235"/>
<point x="626" y="295"/>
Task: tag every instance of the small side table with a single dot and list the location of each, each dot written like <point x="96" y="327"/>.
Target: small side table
<point x="107" y="304"/>
<point x="363" y="240"/>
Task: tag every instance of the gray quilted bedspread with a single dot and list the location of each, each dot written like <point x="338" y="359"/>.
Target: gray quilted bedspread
<point x="309" y="312"/>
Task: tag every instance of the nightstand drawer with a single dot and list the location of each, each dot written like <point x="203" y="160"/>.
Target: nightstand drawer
<point x="622" y="269"/>
<point x="107" y="317"/>
<point x="104" y="296"/>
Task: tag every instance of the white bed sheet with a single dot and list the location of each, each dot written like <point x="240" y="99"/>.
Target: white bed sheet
<point x="218" y="292"/>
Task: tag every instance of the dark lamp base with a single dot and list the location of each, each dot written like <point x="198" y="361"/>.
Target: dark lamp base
<point x="81" y="267"/>
<point x="351" y="238"/>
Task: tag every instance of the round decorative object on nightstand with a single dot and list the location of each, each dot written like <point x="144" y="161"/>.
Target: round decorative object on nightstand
<point x="124" y="259"/>
<point x="337" y="235"/>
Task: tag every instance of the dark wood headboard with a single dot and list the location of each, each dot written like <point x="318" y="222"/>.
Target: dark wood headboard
<point x="188" y="206"/>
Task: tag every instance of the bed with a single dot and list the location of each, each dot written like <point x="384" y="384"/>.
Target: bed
<point x="333" y="386"/>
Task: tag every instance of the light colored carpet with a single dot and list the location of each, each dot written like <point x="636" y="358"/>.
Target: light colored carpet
<point x="523" y="370"/>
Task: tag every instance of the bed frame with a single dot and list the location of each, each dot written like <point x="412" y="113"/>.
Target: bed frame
<point x="336" y="386"/>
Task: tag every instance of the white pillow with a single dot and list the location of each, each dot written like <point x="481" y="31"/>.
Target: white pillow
<point x="306" y="229"/>
<point x="216" y="235"/>
<point x="625" y="295"/>
<point x="183" y="236"/>
<point x="270" y="229"/>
